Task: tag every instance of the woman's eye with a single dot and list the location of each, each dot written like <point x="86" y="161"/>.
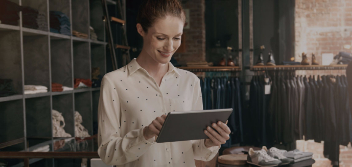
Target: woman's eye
<point x="177" y="38"/>
<point x="160" y="38"/>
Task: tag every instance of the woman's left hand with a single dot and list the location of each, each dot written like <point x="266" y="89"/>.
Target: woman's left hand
<point x="215" y="138"/>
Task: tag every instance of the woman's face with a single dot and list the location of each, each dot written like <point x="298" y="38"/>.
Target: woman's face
<point x="163" y="38"/>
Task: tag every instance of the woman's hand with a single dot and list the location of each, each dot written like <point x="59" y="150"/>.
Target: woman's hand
<point x="215" y="138"/>
<point x="153" y="129"/>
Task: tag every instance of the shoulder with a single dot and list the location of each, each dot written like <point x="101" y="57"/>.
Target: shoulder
<point x="116" y="75"/>
<point x="187" y="75"/>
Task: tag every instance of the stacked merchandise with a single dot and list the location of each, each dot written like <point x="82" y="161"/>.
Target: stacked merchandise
<point x="55" y="87"/>
<point x="82" y="83"/>
<point x="224" y="92"/>
<point x="6" y="87"/>
<point x="9" y="12"/>
<point x="59" y="23"/>
<point x="96" y="77"/>
<point x="93" y="35"/>
<point x="41" y="21"/>
<point x="34" y="89"/>
<point x="79" y="34"/>
<point x="342" y="58"/>
<point x="33" y="19"/>
<point x="316" y="108"/>
<point x="80" y="130"/>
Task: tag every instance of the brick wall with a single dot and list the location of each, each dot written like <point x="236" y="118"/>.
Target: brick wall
<point x="195" y="35"/>
<point x="322" y="26"/>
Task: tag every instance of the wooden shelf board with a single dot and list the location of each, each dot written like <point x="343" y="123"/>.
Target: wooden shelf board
<point x="66" y="155"/>
<point x="79" y="90"/>
<point x="117" y="20"/>
<point x="28" y="96"/>
<point x="122" y="47"/>
<point x="58" y="36"/>
<point x="10" y="98"/>
<point x="212" y="68"/>
<point x="299" y="67"/>
<point x="33" y="32"/>
<point x="75" y="39"/>
<point x="94" y="42"/>
<point x="11" y="143"/>
<point x="61" y="93"/>
<point x="6" y="27"/>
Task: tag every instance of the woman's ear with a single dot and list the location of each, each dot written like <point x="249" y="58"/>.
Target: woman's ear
<point x="140" y="29"/>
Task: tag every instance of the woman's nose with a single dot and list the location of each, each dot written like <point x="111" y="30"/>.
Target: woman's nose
<point x="168" y="45"/>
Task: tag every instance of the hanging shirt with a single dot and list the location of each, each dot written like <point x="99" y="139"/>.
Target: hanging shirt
<point x="130" y="99"/>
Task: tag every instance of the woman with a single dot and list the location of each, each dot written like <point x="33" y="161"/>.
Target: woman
<point x="134" y="99"/>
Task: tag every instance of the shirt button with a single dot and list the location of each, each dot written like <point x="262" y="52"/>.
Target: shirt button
<point x="167" y="150"/>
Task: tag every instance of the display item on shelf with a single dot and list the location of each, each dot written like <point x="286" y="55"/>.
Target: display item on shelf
<point x="55" y="87"/>
<point x="261" y="158"/>
<point x="59" y="23"/>
<point x="93" y="35"/>
<point x="96" y="77"/>
<point x="42" y="149"/>
<point x="342" y="58"/>
<point x="304" y="59"/>
<point x="58" y="125"/>
<point x="82" y="83"/>
<point x="6" y="87"/>
<point x="80" y="130"/>
<point x="65" y="88"/>
<point x="79" y="34"/>
<point x="34" y="89"/>
<point x="278" y="154"/>
<point x="271" y="60"/>
<point x="296" y="154"/>
<point x="314" y="60"/>
<point x="9" y="12"/>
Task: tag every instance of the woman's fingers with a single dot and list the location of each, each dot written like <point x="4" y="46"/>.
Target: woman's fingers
<point x="216" y="135"/>
<point x="212" y="138"/>
<point x="161" y="120"/>
<point x="157" y="124"/>
<point x="153" y="129"/>
<point x="224" y="127"/>
<point x="221" y="131"/>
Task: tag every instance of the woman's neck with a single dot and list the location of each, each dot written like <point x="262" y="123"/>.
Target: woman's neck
<point x="154" y="68"/>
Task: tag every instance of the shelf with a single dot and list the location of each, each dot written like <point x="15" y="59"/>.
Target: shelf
<point x="28" y="96"/>
<point x="5" y="27"/>
<point x="117" y="20"/>
<point x="68" y="155"/>
<point x="11" y="143"/>
<point x="98" y="42"/>
<point x="33" y="32"/>
<point x="79" y="90"/>
<point x="59" y="36"/>
<point x="62" y="93"/>
<point x="212" y="69"/>
<point x="299" y="67"/>
<point x="10" y="98"/>
<point x="95" y="89"/>
<point x="75" y="39"/>
<point x="111" y="2"/>
<point x="122" y="47"/>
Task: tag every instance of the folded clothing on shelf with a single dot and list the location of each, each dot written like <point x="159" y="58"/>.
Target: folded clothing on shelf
<point x="42" y="149"/>
<point x="9" y="12"/>
<point x="342" y="58"/>
<point x="296" y="154"/>
<point x="65" y="88"/>
<point x="82" y="83"/>
<point x="34" y="89"/>
<point x="93" y="35"/>
<point x="59" y="23"/>
<point x="6" y="87"/>
<point x="56" y="87"/>
<point x="79" y="34"/>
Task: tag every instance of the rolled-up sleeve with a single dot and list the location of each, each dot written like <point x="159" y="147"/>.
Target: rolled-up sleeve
<point x="115" y="149"/>
<point x="201" y="152"/>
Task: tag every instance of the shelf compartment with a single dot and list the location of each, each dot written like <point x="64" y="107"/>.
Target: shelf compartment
<point x="29" y="96"/>
<point x="36" y="61"/>
<point x="64" y="105"/>
<point x="10" y="58"/>
<point x="38" y="5"/>
<point x="83" y="105"/>
<point x="98" y="60"/>
<point x="80" y="16"/>
<point x="10" y="98"/>
<point x="38" y="119"/>
<point x="81" y="60"/>
<point x="96" y="18"/>
<point x="33" y="32"/>
<point x="299" y="67"/>
<point x="12" y="126"/>
<point x="61" y="62"/>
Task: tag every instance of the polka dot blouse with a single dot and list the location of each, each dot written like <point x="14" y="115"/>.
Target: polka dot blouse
<point x="130" y="99"/>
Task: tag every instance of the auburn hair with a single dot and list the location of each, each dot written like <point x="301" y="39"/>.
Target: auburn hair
<point x="151" y="10"/>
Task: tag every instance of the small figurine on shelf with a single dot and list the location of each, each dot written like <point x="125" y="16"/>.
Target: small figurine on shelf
<point x="260" y="61"/>
<point x="304" y="59"/>
<point x="223" y="61"/>
<point x="230" y="62"/>
<point x="271" y="61"/>
<point x="314" y="60"/>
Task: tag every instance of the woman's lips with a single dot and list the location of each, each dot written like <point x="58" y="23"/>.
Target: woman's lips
<point x="165" y="54"/>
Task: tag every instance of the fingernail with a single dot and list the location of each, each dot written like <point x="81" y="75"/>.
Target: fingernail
<point x="208" y="127"/>
<point x="205" y="131"/>
<point x="219" y="123"/>
<point x="214" y="124"/>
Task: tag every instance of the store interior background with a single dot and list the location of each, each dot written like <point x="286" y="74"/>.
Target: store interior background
<point x="285" y="27"/>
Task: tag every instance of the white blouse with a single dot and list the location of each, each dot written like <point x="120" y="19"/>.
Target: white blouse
<point x="130" y="99"/>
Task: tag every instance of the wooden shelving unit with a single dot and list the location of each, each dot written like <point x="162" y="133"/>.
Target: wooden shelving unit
<point x="35" y="57"/>
<point x="299" y="67"/>
<point x="213" y="69"/>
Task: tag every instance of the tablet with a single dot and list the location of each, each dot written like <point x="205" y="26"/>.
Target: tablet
<point x="190" y="125"/>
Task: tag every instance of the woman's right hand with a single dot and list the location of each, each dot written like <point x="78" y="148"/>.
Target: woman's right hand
<point x="153" y="129"/>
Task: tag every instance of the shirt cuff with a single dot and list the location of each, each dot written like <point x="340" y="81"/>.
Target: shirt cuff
<point x="150" y="141"/>
<point x="211" y="149"/>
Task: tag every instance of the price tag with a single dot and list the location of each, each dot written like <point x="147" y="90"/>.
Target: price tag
<point x="267" y="89"/>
